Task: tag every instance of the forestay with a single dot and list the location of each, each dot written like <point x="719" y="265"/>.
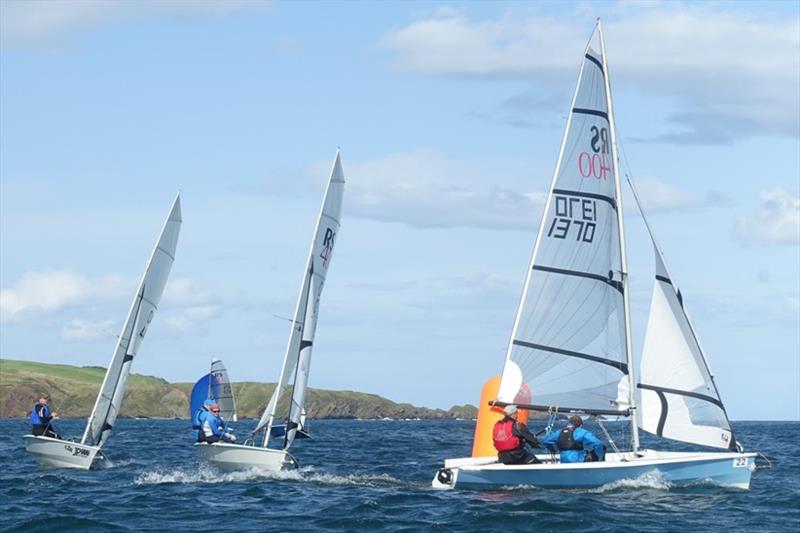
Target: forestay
<point x="143" y="308"/>
<point x="315" y="273"/>
<point x="677" y="396"/>
<point x="568" y="346"/>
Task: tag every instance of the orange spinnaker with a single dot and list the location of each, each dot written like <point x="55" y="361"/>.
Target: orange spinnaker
<point x="482" y="445"/>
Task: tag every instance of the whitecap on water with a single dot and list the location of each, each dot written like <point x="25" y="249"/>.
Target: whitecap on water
<point x="207" y="474"/>
<point x="648" y="480"/>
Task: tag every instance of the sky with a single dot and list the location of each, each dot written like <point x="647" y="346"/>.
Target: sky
<point x="449" y="117"/>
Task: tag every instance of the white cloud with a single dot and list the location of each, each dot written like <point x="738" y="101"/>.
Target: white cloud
<point x="46" y="292"/>
<point x="193" y="318"/>
<point x="87" y="330"/>
<point x="36" y="22"/>
<point x="657" y="195"/>
<point x="417" y="188"/>
<point x="729" y="73"/>
<point x="776" y="221"/>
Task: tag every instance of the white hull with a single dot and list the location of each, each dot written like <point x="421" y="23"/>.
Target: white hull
<point x="724" y="468"/>
<point x="56" y="453"/>
<point x="237" y="456"/>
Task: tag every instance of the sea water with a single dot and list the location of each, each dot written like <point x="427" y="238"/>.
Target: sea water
<point x="367" y="475"/>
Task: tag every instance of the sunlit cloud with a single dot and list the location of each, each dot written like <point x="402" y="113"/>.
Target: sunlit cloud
<point x="729" y="75"/>
<point x="427" y="190"/>
<point x="775" y="221"/>
<point x="39" y="293"/>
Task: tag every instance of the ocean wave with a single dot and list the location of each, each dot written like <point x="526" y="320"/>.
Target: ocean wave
<point x="305" y="474"/>
<point x="648" y="480"/>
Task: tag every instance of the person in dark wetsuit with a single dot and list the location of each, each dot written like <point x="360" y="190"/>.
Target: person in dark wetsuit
<point x="510" y="437"/>
<point x="42" y="417"/>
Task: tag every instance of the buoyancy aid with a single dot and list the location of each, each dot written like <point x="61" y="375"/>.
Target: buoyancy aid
<point x="566" y="441"/>
<point x="37" y="416"/>
<point x="35" y="420"/>
<point x="503" y="436"/>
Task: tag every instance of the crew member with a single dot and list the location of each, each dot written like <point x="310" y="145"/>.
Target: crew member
<point x="510" y="437"/>
<point x="198" y="418"/>
<point x="42" y="417"/>
<point x="575" y="444"/>
<point x="214" y="427"/>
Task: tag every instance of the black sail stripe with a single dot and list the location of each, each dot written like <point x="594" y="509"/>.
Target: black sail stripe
<point x="595" y="112"/>
<point x="596" y="62"/>
<point x="614" y="283"/>
<point x="159" y="248"/>
<point x="690" y="394"/>
<point x="305" y="344"/>
<point x="593" y="196"/>
<point x="664" y="279"/>
<point x="663" y="418"/>
<point x="623" y="367"/>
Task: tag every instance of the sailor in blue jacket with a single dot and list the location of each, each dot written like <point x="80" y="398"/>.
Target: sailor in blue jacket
<point x="42" y="417"/>
<point x="214" y="426"/>
<point x="575" y="444"/>
<point x="198" y="418"/>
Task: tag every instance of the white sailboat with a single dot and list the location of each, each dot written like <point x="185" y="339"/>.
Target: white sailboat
<point x="297" y="358"/>
<point x="52" y="452"/>
<point x="571" y="343"/>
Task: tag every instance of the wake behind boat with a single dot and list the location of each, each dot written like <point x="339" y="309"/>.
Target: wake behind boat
<point x="51" y="452"/>
<point x="297" y="358"/>
<point x="570" y="349"/>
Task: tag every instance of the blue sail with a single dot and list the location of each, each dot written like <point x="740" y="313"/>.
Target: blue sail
<point x="199" y="395"/>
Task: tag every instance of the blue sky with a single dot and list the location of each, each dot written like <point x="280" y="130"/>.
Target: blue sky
<point x="449" y="117"/>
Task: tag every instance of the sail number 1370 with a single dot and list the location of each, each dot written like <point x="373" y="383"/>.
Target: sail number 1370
<point x="574" y="216"/>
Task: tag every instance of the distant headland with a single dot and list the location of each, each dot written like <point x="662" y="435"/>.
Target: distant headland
<point x="74" y="389"/>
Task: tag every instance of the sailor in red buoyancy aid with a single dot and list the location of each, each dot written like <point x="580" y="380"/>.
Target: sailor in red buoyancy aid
<point x="509" y="438"/>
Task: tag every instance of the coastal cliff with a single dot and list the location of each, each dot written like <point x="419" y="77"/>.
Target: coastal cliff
<point x="74" y="389"/>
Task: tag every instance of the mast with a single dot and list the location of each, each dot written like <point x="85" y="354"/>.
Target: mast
<point x="622" y="248"/>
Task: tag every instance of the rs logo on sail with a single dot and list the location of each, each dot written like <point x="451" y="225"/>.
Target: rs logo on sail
<point x="327" y="246"/>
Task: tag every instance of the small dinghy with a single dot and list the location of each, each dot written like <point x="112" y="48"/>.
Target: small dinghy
<point x="570" y="349"/>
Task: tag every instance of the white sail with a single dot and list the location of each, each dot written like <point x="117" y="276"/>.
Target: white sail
<point x="677" y="396"/>
<point x="221" y="391"/>
<point x="315" y="272"/>
<point x="568" y="346"/>
<point x="143" y="308"/>
<point x="298" y="401"/>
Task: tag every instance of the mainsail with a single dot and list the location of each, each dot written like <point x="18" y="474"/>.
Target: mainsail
<point x="221" y="391"/>
<point x="677" y="395"/>
<point x="143" y="308"/>
<point x="314" y="274"/>
<point x="568" y="348"/>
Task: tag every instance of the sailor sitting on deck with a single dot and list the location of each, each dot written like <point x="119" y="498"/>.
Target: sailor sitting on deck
<point x="576" y="444"/>
<point x="41" y="418"/>
<point x="214" y="426"/>
<point x="509" y="438"/>
<point x="197" y="420"/>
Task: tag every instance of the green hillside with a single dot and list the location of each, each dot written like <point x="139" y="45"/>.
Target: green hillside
<point x="74" y="389"/>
